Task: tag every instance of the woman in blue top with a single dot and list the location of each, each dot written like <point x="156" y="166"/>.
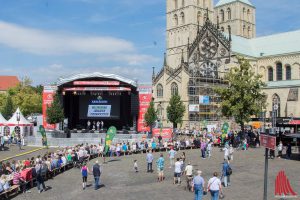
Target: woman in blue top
<point x="124" y="147"/>
<point x="84" y="173"/>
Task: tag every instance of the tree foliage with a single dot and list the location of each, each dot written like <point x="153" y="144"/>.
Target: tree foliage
<point x="7" y="108"/>
<point x="55" y="112"/>
<point x="24" y="96"/>
<point x="243" y="97"/>
<point x="175" y="110"/>
<point x="150" y="116"/>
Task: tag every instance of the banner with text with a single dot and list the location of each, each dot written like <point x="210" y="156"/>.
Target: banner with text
<point x="99" y="111"/>
<point x="48" y="95"/>
<point x="166" y="133"/>
<point x="145" y="97"/>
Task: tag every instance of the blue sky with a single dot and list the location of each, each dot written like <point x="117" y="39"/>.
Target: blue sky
<point x="47" y="39"/>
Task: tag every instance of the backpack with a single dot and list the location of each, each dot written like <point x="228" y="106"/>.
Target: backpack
<point x="228" y="171"/>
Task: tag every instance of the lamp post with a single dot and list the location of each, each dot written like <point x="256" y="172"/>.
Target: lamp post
<point x="18" y="120"/>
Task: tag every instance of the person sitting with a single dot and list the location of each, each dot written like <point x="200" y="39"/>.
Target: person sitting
<point x="4" y="183"/>
<point x="18" y="180"/>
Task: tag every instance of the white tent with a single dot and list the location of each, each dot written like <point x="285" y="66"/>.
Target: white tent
<point x="19" y="123"/>
<point x="2" y="124"/>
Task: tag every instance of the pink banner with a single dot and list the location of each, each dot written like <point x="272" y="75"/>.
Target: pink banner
<point x="48" y="94"/>
<point x="145" y="97"/>
<point x="166" y="133"/>
<point x="96" y="83"/>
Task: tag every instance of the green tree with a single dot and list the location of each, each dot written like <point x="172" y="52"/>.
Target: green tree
<point x="7" y="108"/>
<point x="55" y="112"/>
<point x="243" y="97"/>
<point x="150" y="116"/>
<point x="175" y="110"/>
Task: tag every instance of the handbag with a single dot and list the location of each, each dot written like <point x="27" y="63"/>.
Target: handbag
<point x="221" y="195"/>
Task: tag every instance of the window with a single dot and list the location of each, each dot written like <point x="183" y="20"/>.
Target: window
<point x="192" y="90"/>
<point x="199" y="17"/>
<point x="244" y="13"/>
<point x="229" y="13"/>
<point x="222" y="29"/>
<point x="249" y="31"/>
<point x="222" y="16"/>
<point x="175" y="20"/>
<point x="174" y="89"/>
<point x="198" y="2"/>
<point x="159" y="111"/>
<point x="244" y="30"/>
<point x="278" y="71"/>
<point x="228" y="28"/>
<point x="159" y="90"/>
<point x="270" y="74"/>
<point x="248" y="15"/>
<point x="183" y="3"/>
<point x="288" y="72"/>
<point x="276" y="101"/>
<point x="175" y="4"/>
<point x="182" y="18"/>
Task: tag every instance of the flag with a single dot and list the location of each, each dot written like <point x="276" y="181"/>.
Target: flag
<point x="111" y="132"/>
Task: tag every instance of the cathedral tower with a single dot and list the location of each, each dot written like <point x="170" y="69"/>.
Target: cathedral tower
<point x="239" y="15"/>
<point x="183" y="17"/>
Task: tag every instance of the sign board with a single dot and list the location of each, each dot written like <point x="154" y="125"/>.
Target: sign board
<point x="194" y="108"/>
<point x="268" y="141"/>
<point x="96" y="83"/>
<point x="99" y="111"/>
<point x="204" y="100"/>
<point x="166" y="133"/>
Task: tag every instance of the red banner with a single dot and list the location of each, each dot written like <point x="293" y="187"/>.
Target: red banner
<point x="166" y="133"/>
<point x="48" y="94"/>
<point x="96" y="83"/>
<point x="268" y="141"/>
<point x="145" y="97"/>
<point x="98" y="89"/>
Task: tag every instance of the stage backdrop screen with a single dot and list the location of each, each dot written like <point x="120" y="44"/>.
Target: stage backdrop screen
<point x="106" y="108"/>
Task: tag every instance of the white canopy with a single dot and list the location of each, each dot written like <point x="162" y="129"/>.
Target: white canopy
<point x="14" y="122"/>
<point x="3" y="121"/>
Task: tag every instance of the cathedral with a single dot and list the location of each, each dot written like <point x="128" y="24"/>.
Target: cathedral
<point x="203" y="41"/>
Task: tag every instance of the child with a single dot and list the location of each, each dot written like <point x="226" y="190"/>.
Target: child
<point x="84" y="172"/>
<point x="135" y="166"/>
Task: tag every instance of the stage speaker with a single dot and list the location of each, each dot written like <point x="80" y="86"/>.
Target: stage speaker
<point x="134" y="104"/>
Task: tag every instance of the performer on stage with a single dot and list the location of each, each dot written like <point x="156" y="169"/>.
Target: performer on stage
<point x="88" y="125"/>
<point x="98" y="126"/>
<point x="102" y="124"/>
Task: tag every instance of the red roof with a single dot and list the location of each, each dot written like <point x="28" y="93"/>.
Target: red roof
<point x="7" y="82"/>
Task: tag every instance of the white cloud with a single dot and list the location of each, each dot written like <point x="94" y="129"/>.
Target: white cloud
<point x="130" y="59"/>
<point x="54" y="43"/>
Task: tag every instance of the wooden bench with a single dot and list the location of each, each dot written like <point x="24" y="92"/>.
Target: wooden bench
<point x="12" y="190"/>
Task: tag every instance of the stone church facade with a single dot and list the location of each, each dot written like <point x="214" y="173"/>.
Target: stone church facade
<point x="202" y="42"/>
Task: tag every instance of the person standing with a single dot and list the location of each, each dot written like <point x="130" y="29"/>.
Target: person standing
<point x="39" y="177"/>
<point x="289" y="151"/>
<point x="189" y="175"/>
<point x="149" y="160"/>
<point x="280" y="148"/>
<point x="214" y="186"/>
<point x="226" y="153"/>
<point x="198" y="186"/>
<point x="160" y="164"/>
<point x="209" y="148"/>
<point x="226" y="173"/>
<point x="230" y="152"/>
<point x="203" y="148"/>
<point x="172" y="154"/>
<point x="96" y="174"/>
<point x="177" y="172"/>
<point x="84" y="173"/>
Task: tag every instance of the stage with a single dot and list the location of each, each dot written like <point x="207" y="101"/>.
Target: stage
<point x="97" y="101"/>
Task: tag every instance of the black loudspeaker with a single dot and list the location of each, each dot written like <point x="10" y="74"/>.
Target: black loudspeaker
<point x="134" y="104"/>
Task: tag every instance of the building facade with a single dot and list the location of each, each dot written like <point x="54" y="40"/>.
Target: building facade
<point x="202" y="42"/>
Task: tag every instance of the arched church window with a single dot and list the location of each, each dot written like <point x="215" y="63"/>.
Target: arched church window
<point x="174" y="89"/>
<point x="182" y="18"/>
<point x="244" y="13"/>
<point x="276" y="101"/>
<point x="159" y="111"/>
<point x="279" y="71"/>
<point x="175" y="4"/>
<point x="270" y="74"/>
<point x="222" y="29"/>
<point x="288" y="72"/>
<point x="248" y="15"/>
<point x="244" y="30"/>
<point x="175" y="20"/>
<point x="229" y="13"/>
<point x="222" y="15"/>
<point x="183" y="3"/>
<point x="199" y="17"/>
<point x="249" y="31"/>
<point x="159" y="90"/>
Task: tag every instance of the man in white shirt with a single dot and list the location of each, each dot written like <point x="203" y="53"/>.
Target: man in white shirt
<point x="172" y="154"/>
<point x="189" y="175"/>
<point x="214" y="186"/>
<point x="177" y="171"/>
